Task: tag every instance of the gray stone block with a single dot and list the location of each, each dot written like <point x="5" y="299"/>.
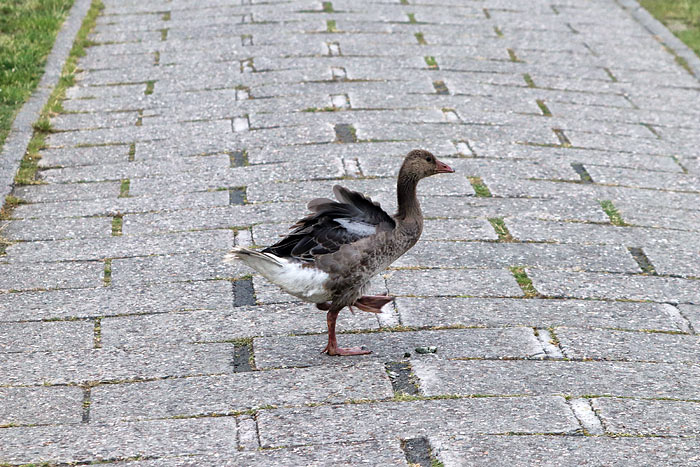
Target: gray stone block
<point x="523" y="451"/>
<point x="230" y="393"/>
<point x="446" y="311"/>
<point x="435" y="254"/>
<point x="624" y="345"/>
<point x="224" y="324"/>
<point x="120" y="246"/>
<point x="649" y="417"/>
<point x="110" y="301"/>
<point x="516" y="342"/>
<point x="414" y="419"/>
<point x="453" y="282"/>
<point x="65" y="275"/>
<point x="58" y="229"/>
<point x="616" y="287"/>
<point x="676" y="260"/>
<point x="114" y="365"/>
<point x="471" y="377"/>
<point x="39" y="406"/>
<point x="67" y="192"/>
<point x="58" y="335"/>
<point x="87" y="443"/>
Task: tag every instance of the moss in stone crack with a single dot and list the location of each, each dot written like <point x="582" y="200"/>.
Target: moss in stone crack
<point x="331" y="26"/>
<point x="499" y="226"/>
<point x="524" y="281"/>
<point x="431" y="62"/>
<point x="612" y="212"/>
<point x="480" y="188"/>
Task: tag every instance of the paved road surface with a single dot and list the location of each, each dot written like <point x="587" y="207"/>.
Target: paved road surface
<point x="196" y="126"/>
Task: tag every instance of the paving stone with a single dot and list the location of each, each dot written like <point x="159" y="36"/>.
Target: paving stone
<point x="120" y="246"/>
<point x="470" y="377"/>
<point x="384" y="452"/>
<point x="29" y="276"/>
<point x="435" y="254"/>
<point x="388" y="420"/>
<point x="222" y="325"/>
<point x="26" y="337"/>
<point x="86" y="443"/>
<point x="624" y="345"/>
<point x="199" y="266"/>
<point x="230" y="393"/>
<point x="692" y="314"/>
<point x="521" y="451"/>
<point x="453" y="282"/>
<point x="645" y="417"/>
<point x="569" y="232"/>
<point x="112" y="207"/>
<point x="39" y="406"/>
<point x="112" y="365"/>
<point x="517" y="342"/>
<point x="613" y="286"/>
<point x="658" y="217"/>
<point x="212" y="218"/>
<point x="58" y="229"/>
<point x="678" y="260"/>
<point x="93" y="155"/>
<point x="67" y="192"/>
<point x="446" y="311"/>
<point x="111" y="301"/>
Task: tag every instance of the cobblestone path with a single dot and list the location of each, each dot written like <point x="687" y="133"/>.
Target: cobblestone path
<point x="557" y="278"/>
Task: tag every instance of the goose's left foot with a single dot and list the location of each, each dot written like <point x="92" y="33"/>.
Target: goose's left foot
<point x="332" y="346"/>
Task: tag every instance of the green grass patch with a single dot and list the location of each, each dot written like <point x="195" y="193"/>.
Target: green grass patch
<point x="499" y="226"/>
<point x="149" y="87"/>
<point x="412" y="18"/>
<point x="431" y="62"/>
<point x="124" y="188"/>
<point x="117" y="222"/>
<point x="28" y="29"/>
<point x="420" y="38"/>
<point x="331" y="26"/>
<point x="328" y="7"/>
<point x="107" y="278"/>
<point x="480" y="188"/>
<point x="612" y="212"/>
<point x="26" y="175"/>
<point x="320" y="109"/>
<point x="524" y="282"/>
<point x="682" y="17"/>
<point x="543" y="108"/>
<point x="528" y="80"/>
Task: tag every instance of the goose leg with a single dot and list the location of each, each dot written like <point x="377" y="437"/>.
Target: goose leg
<point x="332" y="347"/>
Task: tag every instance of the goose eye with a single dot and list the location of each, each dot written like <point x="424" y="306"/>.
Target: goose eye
<point x="429" y="158"/>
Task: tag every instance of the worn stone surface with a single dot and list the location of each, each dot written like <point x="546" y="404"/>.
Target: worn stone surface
<point x="411" y="419"/>
<point x="125" y="440"/>
<point x="644" y="417"/>
<point x="451" y="311"/>
<point x="625" y="345"/>
<point x="230" y="393"/>
<point x="517" y="342"/>
<point x="523" y="451"/>
<point x="41" y="406"/>
<point x="194" y="128"/>
<point x="573" y="378"/>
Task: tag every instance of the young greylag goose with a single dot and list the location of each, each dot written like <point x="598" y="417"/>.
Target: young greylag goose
<point x="331" y="255"/>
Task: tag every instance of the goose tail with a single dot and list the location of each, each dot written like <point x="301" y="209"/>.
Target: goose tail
<point x="264" y="263"/>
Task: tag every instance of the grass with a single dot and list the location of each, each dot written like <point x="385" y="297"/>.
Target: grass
<point x="499" y="225"/>
<point x="26" y="174"/>
<point x="28" y="29"/>
<point x="682" y="17"/>
<point x="524" y="282"/>
<point x="431" y="62"/>
<point x="480" y="188"/>
<point x="612" y="212"/>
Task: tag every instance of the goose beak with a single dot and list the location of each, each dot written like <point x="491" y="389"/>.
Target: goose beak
<point x="443" y="168"/>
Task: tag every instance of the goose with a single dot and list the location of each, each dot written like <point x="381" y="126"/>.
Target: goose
<point x="330" y="255"/>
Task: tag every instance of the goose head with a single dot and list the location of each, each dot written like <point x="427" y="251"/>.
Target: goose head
<point x="420" y="163"/>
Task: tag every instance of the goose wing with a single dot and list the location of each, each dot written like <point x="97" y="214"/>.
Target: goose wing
<point x="333" y="224"/>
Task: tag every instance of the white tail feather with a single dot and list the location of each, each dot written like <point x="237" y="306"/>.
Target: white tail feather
<point x="305" y="283"/>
